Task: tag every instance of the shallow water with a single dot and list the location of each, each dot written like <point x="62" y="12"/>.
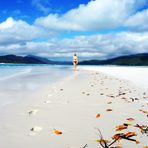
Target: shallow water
<point x="18" y="81"/>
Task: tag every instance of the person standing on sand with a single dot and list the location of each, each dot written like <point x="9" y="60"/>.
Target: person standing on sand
<point x="75" y="61"/>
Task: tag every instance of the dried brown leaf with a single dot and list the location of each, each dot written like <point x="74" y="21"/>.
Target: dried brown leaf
<point x="109" y="110"/>
<point x="98" y="116"/>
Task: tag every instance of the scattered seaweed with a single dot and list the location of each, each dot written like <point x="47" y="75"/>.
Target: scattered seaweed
<point x="126" y="136"/>
<point x="121" y="127"/>
<point x="143" y="128"/>
<point x="117" y="137"/>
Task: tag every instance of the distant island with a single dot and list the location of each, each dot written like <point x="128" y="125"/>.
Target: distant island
<point x="130" y="60"/>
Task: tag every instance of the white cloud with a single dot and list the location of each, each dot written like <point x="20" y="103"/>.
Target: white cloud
<point x="109" y="44"/>
<point x="139" y="21"/>
<point x="17" y="36"/>
<point x="95" y="15"/>
<point x="95" y="46"/>
<point x="7" y="24"/>
<point x="18" y="31"/>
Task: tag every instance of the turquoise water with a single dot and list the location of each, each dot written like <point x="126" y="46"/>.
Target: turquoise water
<point x="17" y="81"/>
<point x="48" y="73"/>
<point x="13" y="70"/>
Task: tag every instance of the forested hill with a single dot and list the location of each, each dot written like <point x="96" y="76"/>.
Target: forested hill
<point x="135" y="60"/>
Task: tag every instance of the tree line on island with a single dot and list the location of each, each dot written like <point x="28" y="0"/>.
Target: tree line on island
<point x="129" y="60"/>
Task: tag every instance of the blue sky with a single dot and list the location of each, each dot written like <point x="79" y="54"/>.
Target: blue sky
<point x="56" y="29"/>
<point x="29" y="10"/>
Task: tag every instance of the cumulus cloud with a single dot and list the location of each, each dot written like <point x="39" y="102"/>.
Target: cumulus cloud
<point x="18" y="37"/>
<point x="95" y="15"/>
<point x="18" y="31"/>
<point x="95" y="46"/>
<point x="108" y="45"/>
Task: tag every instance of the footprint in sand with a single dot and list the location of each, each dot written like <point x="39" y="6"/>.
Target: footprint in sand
<point x="47" y="102"/>
<point x="49" y="95"/>
<point x="34" y="130"/>
<point x="32" y="112"/>
<point x="54" y="89"/>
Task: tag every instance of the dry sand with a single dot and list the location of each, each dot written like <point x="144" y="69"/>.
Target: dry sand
<point x="71" y="108"/>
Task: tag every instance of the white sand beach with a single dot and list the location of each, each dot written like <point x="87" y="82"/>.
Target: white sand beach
<point x="69" y="113"/>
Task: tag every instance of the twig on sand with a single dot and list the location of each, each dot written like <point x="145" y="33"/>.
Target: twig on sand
<point x="117" y="137"/>
<point x="84" y="146"/>
<point x="103" y="142"/>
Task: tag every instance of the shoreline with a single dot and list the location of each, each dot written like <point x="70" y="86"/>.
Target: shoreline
<point x="71" y="107"/>
<point x="21" y="85"/>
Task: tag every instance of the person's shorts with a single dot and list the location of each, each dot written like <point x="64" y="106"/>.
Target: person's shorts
<point x="75" y="62"/>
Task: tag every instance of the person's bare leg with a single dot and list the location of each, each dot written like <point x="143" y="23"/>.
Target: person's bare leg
<point x="74" y="67"/>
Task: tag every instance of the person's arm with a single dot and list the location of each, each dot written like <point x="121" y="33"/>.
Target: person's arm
<point x="73" y="58"/>
<point x="77" y="60"/>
